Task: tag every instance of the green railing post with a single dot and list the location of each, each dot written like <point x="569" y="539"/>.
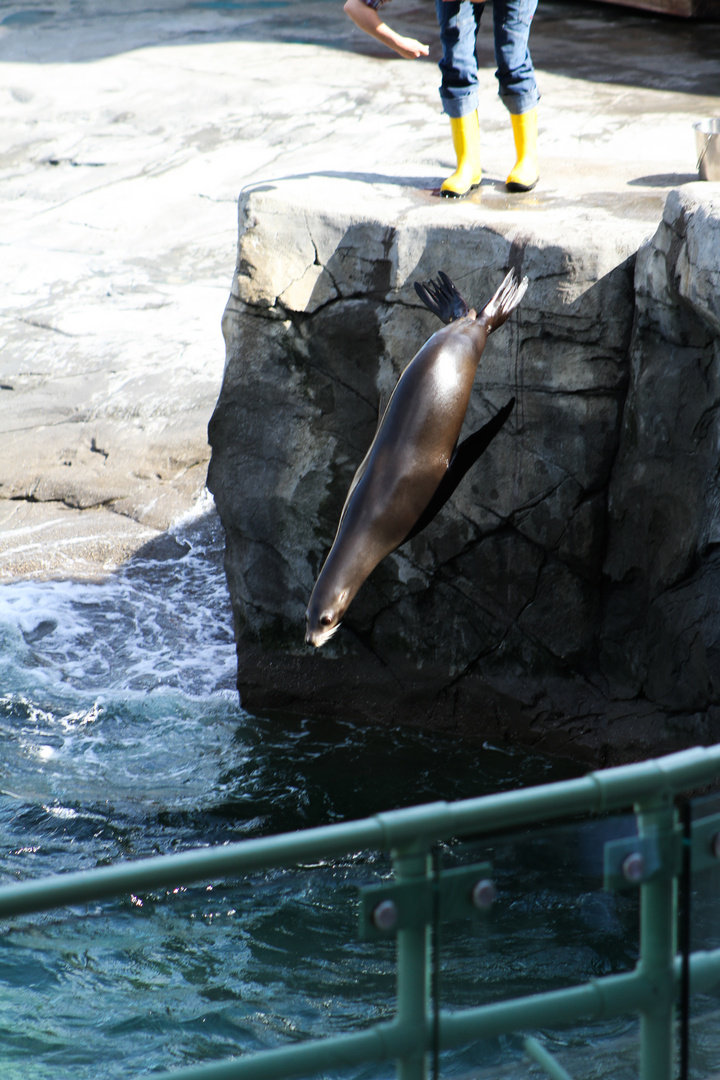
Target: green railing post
<point x="658" y="918"/>
<point x="412" y="863"/>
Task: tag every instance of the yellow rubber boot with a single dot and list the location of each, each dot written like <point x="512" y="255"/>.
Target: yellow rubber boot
<point x="466" y="142"/>
<point x="526" y="174"/>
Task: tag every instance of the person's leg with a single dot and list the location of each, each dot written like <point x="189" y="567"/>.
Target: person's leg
<point x="517" y="86"/>
<point x="459" y="21"/>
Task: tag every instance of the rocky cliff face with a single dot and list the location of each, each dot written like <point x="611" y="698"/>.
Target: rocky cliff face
<point x="660" y="634"/>
<point x="568" y="593"/>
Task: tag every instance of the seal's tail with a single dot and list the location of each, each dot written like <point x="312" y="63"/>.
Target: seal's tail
<point x="442" y="298"/>
<point x="505" y="300"/>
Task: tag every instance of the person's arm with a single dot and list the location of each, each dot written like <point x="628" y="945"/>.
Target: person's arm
<point x="368" y="20"/>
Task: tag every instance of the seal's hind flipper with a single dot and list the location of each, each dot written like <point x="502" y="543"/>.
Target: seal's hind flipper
<point x="505" y="300"/>
<point x="442" y="298"/>
<point x="464" y="457"/>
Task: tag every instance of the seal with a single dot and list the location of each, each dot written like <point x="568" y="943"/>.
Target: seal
<point x="414" y="462"/>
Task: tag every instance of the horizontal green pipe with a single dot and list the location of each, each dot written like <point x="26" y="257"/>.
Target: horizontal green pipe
<point x="609" y="789"/>
<point x="200" y="864"/>
<point x="612" y="995"/>
<point x="704" y="970"/>
<point x="606" y="789"/>
<point x="383" y="1042"/>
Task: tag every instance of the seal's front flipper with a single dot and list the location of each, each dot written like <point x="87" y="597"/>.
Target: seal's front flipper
<point x="442" y="298"/>
<point x="463" y="459"/>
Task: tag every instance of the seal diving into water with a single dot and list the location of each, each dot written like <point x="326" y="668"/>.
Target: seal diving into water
<point x="414" y="463"/>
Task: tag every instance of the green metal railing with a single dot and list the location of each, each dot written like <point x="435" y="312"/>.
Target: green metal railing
<point x="417" y="898"/>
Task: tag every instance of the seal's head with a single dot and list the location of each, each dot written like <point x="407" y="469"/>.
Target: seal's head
<point x="325" y="613"/>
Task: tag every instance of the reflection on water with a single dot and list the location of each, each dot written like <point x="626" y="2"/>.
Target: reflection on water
<point x="122" y="736"/>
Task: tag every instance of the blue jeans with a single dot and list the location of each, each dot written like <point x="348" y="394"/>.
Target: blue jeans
<point x="459" y="25"/>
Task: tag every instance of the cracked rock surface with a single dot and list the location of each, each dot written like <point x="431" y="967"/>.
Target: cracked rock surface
<point x="569" y="593"/>
<point x="661" y="633"/>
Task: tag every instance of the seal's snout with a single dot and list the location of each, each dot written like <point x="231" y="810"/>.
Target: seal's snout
<point x="318" y="631"/>
<point x="309" y="631"/>
<point x="324" y="614"/>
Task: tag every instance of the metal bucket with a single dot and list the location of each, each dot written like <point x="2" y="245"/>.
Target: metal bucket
<point x="707" y="140"/>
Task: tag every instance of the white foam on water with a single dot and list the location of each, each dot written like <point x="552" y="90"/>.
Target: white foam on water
<point x="163" y="620"/>
<point x="123" y="689"/>
<point x="204" y="507"/>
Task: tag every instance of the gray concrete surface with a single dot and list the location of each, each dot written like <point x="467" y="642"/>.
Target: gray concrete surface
<point x="129" y="132"/>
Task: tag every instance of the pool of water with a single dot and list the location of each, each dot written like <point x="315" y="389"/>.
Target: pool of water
<point x="122" y="736"/>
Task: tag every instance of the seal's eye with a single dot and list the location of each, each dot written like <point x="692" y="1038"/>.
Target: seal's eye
<point x="326" y="619"/>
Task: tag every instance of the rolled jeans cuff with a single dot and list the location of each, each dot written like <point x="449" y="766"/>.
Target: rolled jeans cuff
<point x="520" y="103"/>
<point x="460" y="104"/>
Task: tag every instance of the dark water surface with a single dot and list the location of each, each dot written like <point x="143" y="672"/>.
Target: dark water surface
<point x="122" y="736"/>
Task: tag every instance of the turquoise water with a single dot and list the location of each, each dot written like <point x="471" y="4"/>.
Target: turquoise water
<point x="122" y="736"/>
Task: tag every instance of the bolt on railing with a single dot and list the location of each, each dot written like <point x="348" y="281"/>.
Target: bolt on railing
<point x="409" y="905"/>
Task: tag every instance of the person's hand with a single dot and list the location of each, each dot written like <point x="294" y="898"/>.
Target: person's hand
<point x="368" y="20"/>
<point x="409" y="47"/>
